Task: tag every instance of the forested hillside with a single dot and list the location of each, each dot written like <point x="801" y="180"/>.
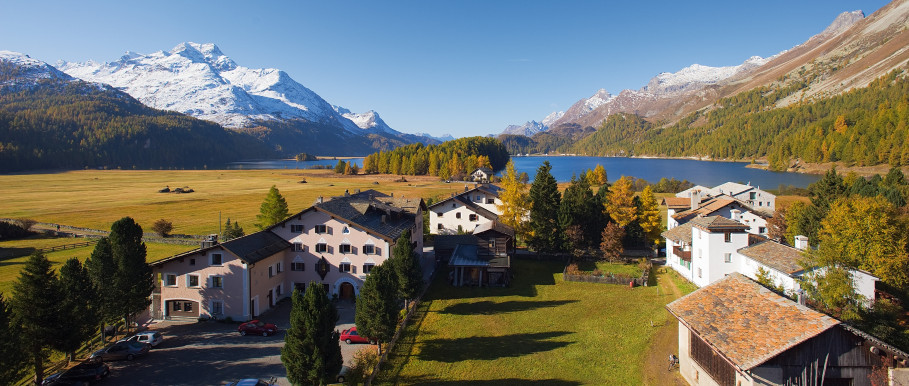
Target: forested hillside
<point x="451" y="159"/>
<point x="865" y="126"/>
<point x="67" y="124"/>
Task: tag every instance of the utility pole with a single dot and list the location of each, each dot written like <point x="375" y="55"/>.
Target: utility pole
<point x="219" y="224"/>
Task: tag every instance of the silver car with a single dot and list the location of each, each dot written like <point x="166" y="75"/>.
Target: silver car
<point x="152" y="338"/>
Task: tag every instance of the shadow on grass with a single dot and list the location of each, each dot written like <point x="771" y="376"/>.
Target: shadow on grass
<point x="12" y="253"/>
<point x="526" y="275"/>
<point x="485" y="382"/>
<point x="489" y="347"/>
<point x="492" y="308"/>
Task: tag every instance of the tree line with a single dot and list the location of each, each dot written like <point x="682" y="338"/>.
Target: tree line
<point x="61" y="311"/>
<point x="448" y="160"/>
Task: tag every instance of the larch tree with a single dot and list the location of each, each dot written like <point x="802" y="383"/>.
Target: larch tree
<point x="312" y="352"/>
<point x="649" y="217"/>
<point x="620" y="202"/>
<point x="599" y="175"/>
<point x="407" y="267"/>
<point x="13" y="357"/>
<point x="77" y="307"/>
<point x="133" y="281"/>
<point x="36" y="306"/>
<point x="515" y="202"/>
<point x="611" y="241"/>
<point x="545" y="234"/>
<point x="273" y="209"/>
<point x="377" y="305"/>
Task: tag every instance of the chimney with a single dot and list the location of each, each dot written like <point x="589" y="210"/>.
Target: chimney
<point x="801" y="242"/>
<point x="801" y="297"/>
<point x="210" y="241"/>
<point x="346" y="193"/>
<point x="383" y="219"/>
<point x="695" y="198"/>
<point x="736" y="215"/>
<point x="319" y="200"/>
<point x="392" y="194"/>
<point x="465" y="187"/>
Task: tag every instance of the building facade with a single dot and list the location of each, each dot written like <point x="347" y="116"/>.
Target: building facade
<point x="466" y="211"/>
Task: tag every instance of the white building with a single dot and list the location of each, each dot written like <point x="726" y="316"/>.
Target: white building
<point x="465" y="211"/>
<point x="753" y="196"/>
<point x="683" y="209"/>
<point x="483" y="175"/>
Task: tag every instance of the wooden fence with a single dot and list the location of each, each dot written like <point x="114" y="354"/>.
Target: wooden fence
<point x="69" y="246"/>
<point x="83" y="352"/>
<point x="608" y="279"/>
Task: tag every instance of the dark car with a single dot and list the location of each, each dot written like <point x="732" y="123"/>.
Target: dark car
<point x="253" y="382"/>
<point x="256" y="327"/>
<point x="81" y="374"/>
<point x="121" y="350"/>
<point x="350" y="335"/>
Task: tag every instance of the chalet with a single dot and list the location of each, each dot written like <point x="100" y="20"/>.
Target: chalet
<point x="682" y="209"/>
<point x="482" y="175"/>
<point x="335" y="242"/>
<point x="465" y="211"/>
<point x="735" y="332"/>
<point x="750" y="195"/>
<point x="482" y="258"/>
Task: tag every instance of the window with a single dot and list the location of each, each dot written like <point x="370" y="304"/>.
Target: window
<point x="762" y="230"/>
<point x="279" y="290"/>
<point x="297" y="247"/>
<point x="296" y="228"/>
<point x="217" y="307"/>
<point x="346" y="231"/>
<point x="217" y="282"/>
<point x="752" y="195"/>
<point x="344" y="267"/>
<point x="453" y="205"/>
<point x="271" y="271"/>
<point x="371" y="249"/>
<point x="699" y="272"/>
<point x="178" y="306"/>
<point x="727" y="257"/>
<point x="321" y="247"/>
<point x="490" y="201"/>
<point x="439" y="226"/>
<point x="458" y="215"/>
<point x="727" y="237"/>
<point x="215" y="259"/>
<point x="760" y="203"/>
<point x="192" y="280"/>
<point x="479" y="198"/>
<point x="297" y="266"/>
<point x="192" y="261"/>
<point x="345" y="248"/>
<point x="170" y="280"/>
<point x="321" y="229"/>
<point x="188" y="306"/>
<point x="473" y="217"/>
<point x="440" y="214"/>
<point x="279" y="267"/>
<point x="367" y="268"/>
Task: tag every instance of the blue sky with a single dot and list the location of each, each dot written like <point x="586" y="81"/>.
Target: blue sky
<point x="459" y="67"/>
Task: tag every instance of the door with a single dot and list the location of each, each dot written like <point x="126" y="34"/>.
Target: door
<point x="271" y="301"/>
<point x="347" y="291"/>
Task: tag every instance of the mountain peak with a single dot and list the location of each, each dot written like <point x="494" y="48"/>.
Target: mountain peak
<point x="842" y="22"/>
<point x="32" y="69"/>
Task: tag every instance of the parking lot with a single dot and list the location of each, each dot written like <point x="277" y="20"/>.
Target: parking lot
<point x="213" y="353"/>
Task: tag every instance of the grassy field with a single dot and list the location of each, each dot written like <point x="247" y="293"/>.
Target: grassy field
<point x="630" y="269"/>
<point x="14" y="253"/>
<point x="97" y="198"/>
<point x="541" y="330"/>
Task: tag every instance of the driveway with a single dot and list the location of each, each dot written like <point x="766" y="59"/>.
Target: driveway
<point x="213" y="353"/>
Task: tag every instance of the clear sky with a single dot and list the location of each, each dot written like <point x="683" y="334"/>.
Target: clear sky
<point x="459" y="67"/>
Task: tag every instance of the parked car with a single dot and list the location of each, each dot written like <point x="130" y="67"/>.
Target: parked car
<point x="342" y="375"/>
<point x="153" y="338"/>
<point x="256" y="327"/>
<point x="350" y="335"/>
<point x="121" y="350"/>
<point x="80" y="374"/>
<point x="254" y="382"/>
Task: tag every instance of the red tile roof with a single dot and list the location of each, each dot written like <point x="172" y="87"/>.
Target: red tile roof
<point x="745" y="322"/>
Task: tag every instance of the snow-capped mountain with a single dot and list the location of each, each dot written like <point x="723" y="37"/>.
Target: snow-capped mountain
<point x="697" y="76"/>
<point x="30" y="71"/>
<point x="440" y="138"/>
<point x="552" y="117"/>
<point x="527" y="129"/>
<point x="369" y="120"/>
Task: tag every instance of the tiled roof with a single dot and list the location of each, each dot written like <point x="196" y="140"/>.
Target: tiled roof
<point x="717" y="223"/>
<point x="256" y="246"/>
<point x="745" y="322"/>
<point x="485" y="188"/>
<point x="679" y="234"/>
<point x="677" y="202"/>
<point x="705" y="208"/>
<point x="774" y="255"/>
<point x="496" y="226"/>
<point x="380" y="215"/>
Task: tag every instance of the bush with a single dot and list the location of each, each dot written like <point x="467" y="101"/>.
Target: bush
<point x="26" y="223"/>
<point x="163" y="227"/>
<point x="13" y="231"/>
<point x="364" y="362"/>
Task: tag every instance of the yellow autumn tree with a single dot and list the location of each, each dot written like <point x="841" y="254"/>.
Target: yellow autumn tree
<point x="620" y="202"/>
<point x="515" y="202"/>
<point x="649" y="216"/>
<point x="599" y="175"/>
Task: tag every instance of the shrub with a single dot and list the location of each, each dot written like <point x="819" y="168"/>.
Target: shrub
<point x="26" y="223"/>
<point x="163" y="227"/>
<point x="364" y="362"/>
<point x="13" y="231"/>
<point x="573" y="269"/>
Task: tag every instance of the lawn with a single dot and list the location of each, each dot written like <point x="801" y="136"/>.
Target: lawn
<point x="541" y="330"/>
<point x="97" y="198"/>
<point x="622" y="269"/>
<point x="14" y="253"/>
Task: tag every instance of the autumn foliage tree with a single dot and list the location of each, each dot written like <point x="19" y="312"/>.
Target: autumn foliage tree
<point x="515" y="202"/>
<point x="620" y="202"/>
<point x="649" y="216"/>
<point x="611" y="241"/>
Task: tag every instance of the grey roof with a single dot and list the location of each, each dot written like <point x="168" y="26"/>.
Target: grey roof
<point x="681" y="233"/>
<point x="378" y="215"/>
<point x="465" y="255"/>
<point x="774" y="255"/>
<point x="718" y="223"/>
<point x="257" y="246"/>
<point x="494" y="226"/>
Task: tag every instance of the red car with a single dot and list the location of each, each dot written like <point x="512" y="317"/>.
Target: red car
<point x="256" y="327"/>
<point x="350" y="336"/>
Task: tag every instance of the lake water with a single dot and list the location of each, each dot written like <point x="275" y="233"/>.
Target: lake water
<point x="707" y="173"/>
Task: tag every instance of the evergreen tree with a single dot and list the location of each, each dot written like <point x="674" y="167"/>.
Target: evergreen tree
<point x="340" y="166"/>
<point x="822" y="193"/>
<point x="312" y="352"/>
<point x="102" y="270"/>
<point x="407" y="268"/>
<point x="273" y="209"/>
<point x="649" y="217"/>
<point x="13" y="357"/>
<point x="578" y="209"/>
<point x="545" y="235"/>
<point x="620" y="202"/>
<point x="232" y="230"/>
<point x="36" y="306"/>
<point x="133" y="281"/>
<point x="377" y="305"/>
<point x="514" y="199"/>
<point x="77" y="307"/>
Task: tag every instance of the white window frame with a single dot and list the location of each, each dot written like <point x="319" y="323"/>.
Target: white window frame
<point x="297" y="247"/>
<point x="211" y="307"/>
<point x="302" y="265"/>
<point x="367" y="268"/>
<point x="344" y="264"/>
<point x="346" y="231"/>
<point x="727" y="257"/>
<point x="211" y="281"/>
<point x="198" y="281"/>
<point x="342" y="246"/>
<point x="211" y="259"/>
<point x="324" y="229"/>
<point x="164" y="280"/>
<point x="271" y="271"/>
<point x="372" y="247"/>
<point x="279" y="267"/>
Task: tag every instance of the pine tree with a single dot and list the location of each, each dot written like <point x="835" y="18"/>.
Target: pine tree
<point x="232" y="230"/>
<point x="578" y="212"/>
<point x="102" y="270"/>
<point x="273" y="209"/>
<point x="13" y="363"/>
<point x="36" y="306"/>
<point x="340" y="166"/>
<point x="822" y="193"/>
<point x="620" y="202"/>
<point x="545" y="235"/>
<point x="312" y="352"/>
<point x="407" y="268"/>
<point x="649" y="216"/>
<point x="377" y="305"/>
<point x="78" y="307"/>
<point x="514" y="199"/>
<point x="133" y="280"/>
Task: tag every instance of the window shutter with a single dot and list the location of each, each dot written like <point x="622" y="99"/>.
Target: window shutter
<point x="340" y="269"/>
<point x="353" y="269"/>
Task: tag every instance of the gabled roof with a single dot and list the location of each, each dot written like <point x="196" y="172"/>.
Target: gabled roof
<point x="677" y="202"/>
<point x="745" y="322"/>
<point x="707" y="207"/>
<point x="256" y="246"/>
<point x="717" y="224"/>
<point x="490" y="189"/>
<point x="679" y="234"/>
<point x="381" y="216"/>
<point x="465" y="200"/>
<point x="775" y="255"/>
<point x="494" y="226"/>
<point x="482" y="169"/>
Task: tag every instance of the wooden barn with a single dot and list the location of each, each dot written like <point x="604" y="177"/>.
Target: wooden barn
<point x="735" y="332"/>
<point x="481" y="259"/>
